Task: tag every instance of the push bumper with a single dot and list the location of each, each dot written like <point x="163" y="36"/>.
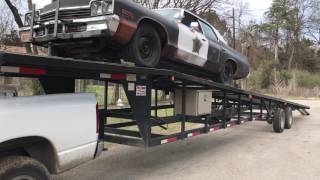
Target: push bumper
<point x="100" y="26"/>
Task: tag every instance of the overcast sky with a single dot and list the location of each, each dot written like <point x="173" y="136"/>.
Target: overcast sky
<point x="257" y="7"/>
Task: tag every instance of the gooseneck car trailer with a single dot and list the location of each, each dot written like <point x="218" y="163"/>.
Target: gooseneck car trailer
<point x="228" y="106"/>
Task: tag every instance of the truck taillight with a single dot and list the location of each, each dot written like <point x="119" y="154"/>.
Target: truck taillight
<point x="98" y="118"/>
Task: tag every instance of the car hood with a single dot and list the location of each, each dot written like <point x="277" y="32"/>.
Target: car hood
<point x="65" y="4"/>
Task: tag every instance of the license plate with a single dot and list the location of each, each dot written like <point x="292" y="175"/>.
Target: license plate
<point x="25" y="36"/>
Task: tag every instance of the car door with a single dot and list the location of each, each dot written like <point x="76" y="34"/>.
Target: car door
<point x="214" y="51"/>
<point x="192" y="45"/>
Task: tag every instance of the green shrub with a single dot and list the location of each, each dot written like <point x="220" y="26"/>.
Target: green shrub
<point x="306" y="79"/>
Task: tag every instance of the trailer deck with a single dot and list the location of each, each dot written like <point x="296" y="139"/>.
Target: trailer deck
<point x="230" y="106"/>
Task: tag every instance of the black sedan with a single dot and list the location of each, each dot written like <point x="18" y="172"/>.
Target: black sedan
<point x="110" y="30"/>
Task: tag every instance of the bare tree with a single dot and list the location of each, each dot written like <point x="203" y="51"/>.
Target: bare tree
<point x="199" y="6"/>
<point x="15" y="12"/>
<point x="34" y="48"/>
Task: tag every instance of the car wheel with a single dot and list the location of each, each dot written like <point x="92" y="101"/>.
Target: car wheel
<point x="22" y="168"/>
<point x="227" y="74"/>
<point x="145" y="47"/>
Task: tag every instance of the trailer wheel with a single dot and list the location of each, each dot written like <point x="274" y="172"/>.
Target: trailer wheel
<point x="289" y="118"/>
<point x="145" y="47"/>
<point x="279" y="120"/>
<point x="22" y="168"/>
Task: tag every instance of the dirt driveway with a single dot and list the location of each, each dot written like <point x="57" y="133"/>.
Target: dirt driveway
<point x="251" y="151"/>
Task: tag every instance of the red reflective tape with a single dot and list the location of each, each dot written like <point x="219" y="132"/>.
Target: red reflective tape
<point x="118" y="76"/>
<point x="32" y="71"/>
<point x="171" y="139"/>
<point x="214" y="129"/>
<point x="196" y="133"/>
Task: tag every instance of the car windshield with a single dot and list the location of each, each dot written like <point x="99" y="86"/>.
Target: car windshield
<point x="169" y="13"/>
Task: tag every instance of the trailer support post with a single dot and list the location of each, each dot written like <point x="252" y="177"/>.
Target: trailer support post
<point x="251" y="109"/>
<point x="183" y="120"/>
<point x="239" y="109"/>
<point x="106" y="101"/>
<point x="140" y="102"/>
<point x="261" y="109"/>
<point x="224" y="109"/>
<point x="156" y="103"/>
<point x="206" y="125"/>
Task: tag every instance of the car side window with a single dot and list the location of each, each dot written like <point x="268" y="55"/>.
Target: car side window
<point x="188" y="19"/>
<point x="208" y="32"/>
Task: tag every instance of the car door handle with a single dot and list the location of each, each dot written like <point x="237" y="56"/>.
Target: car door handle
<point x="204" y="40"/>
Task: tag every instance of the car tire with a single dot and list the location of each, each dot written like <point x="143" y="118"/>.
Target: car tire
<point x="145" y="47"/>
<point x="226" y="75"/>
<point x="279" y="120"/>
<point x="20" y="167"/>
<point x="289" y="118"/>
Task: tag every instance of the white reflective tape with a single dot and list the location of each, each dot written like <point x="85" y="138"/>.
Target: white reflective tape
<point x="164" y="141"/>
<point x="131" y="86"/>
<point x="242" y="122"/>
<point x="229" y="125"/>
<point x="190" y="134"/>
<point x="105" y="76"/>
<point x="131" y="77"/>
<point x="9" y="69"/>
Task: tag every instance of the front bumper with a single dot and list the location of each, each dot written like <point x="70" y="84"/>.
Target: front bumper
<point x="74" y="29"/>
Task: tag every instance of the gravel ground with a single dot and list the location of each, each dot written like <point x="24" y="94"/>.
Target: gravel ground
<point x="251" y="151"/>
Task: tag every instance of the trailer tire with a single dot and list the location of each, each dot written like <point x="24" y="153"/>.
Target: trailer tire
<point x="21" y="167"/>
<point x="289" y="118"/>
<point x="279" y="120"/>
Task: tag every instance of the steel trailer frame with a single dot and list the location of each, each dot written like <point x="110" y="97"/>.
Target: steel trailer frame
<point x="231" y="106"/>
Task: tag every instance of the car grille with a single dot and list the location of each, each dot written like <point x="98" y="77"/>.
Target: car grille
<point x="66" y="14"/>
<point x="70" y="28"/>
<point x="65" y="28"/>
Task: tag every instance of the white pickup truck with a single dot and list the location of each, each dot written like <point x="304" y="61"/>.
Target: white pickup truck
<point x="47" y="134"/>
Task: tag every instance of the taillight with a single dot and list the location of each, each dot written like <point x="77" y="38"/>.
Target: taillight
<point x="98" y="118"/>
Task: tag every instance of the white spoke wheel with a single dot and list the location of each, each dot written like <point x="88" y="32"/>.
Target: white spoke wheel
<point x="279" y="120"/>
<point x="289" y="118"/>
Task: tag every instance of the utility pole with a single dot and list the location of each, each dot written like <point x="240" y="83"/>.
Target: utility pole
<point x="319" y="38"/>
<point x="234" y="28"/>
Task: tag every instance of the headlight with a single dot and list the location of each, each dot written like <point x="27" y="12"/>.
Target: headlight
<point x="101" y="7"/>
<point x="28" y="17"/>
